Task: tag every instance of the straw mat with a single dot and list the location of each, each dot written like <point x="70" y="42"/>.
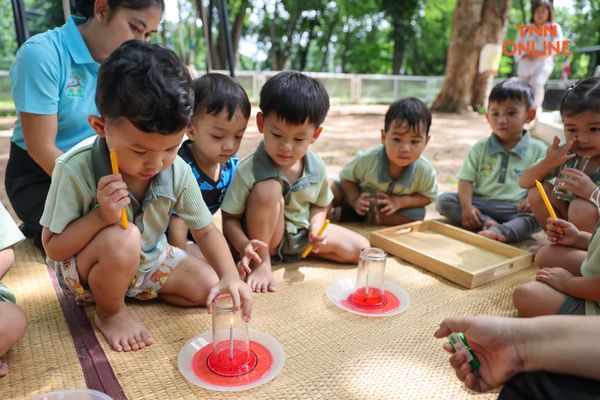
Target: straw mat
<point x="331" y="354"/>
<point x="45" y="359"/>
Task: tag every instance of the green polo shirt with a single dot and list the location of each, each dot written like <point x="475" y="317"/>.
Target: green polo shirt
<point x="72" y="195"/>
<point x="590" y="267"/>
<point x="9" y="236"/>
<point x="495" y="172"/>
<point x="310" y="189"/>
<point x="370" y="170"/>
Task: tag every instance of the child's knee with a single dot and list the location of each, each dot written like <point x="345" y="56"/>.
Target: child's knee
<point x="524" y="294"/>
<point x="544" y="257"/>
<point x="582" y="210"/>
<point x="445" y="203"/>
<point x="265" y="194"/>
<point x="120" y="245"/>
<point x="13" y="324"/>
<point x="533" y="196"/>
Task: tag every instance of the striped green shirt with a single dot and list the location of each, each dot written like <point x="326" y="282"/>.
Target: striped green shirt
<point x="72" y="195"/>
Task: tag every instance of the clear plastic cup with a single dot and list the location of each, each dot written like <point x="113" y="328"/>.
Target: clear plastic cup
<point x="231" y="354"/>
<point x="580" y="163"/>
<point x="370" y="278"/>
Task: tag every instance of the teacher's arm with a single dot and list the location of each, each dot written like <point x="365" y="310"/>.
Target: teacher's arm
<point x="39" y="132"/>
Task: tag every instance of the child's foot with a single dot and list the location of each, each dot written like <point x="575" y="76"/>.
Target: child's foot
<point x="334" y="214"/>
<point x="488" y="223"/>
<point x="3" y="369"/>
<point x="122" y="332"/>
<point x="491" y="234"/>
<point x="261" y="278"/>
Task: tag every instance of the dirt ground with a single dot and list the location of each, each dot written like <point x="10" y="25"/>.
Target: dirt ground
<point x="348" y="129"/>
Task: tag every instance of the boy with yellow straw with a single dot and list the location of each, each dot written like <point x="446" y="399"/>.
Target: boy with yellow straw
<point x="279" y="194"/>
<point x="144" y="96"/>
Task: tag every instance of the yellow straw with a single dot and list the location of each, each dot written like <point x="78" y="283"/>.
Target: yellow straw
<point x="545" y="198"/>
<point x="308" y="248"/>
<point x="115" y="170"/>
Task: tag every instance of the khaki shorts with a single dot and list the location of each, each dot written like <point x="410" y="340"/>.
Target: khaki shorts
<point x="143" y="286"/>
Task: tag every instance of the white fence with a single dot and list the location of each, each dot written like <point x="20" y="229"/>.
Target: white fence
<point x="342" y="88"/>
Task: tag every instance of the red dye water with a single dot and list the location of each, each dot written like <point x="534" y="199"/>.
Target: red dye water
<point x="390" y="303"/>
<point x="261" y="362"/>
<point x="374" y="298"/>
<point x="241" y="363"/>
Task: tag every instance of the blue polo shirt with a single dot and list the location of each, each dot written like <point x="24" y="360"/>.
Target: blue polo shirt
<point x="54" y="73"/>
<point x="212" y="192"/>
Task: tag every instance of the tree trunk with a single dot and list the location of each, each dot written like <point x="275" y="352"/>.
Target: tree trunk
<point x="492" y="30"/>
<point x="302" y="60"/>
<point x="328" y="34"/>
<point x="346" y="47"/>
<point x="463" y="52"/>
<point x="398" y="57"/>
<point x="287" y="49"/>
<point x="238" y="24"/>
<point x="470" y="24"/>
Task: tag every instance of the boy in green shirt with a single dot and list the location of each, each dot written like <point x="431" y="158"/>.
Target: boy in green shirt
<point x="144" y="96"/>
<point x="489" y="199"/>
<point x="279" y="196"/>
<point x="401" y="179"/>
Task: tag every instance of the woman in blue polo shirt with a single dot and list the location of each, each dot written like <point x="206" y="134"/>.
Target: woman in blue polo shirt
<point x="54" y="87"/>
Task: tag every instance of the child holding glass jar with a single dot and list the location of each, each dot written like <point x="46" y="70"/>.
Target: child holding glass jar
<point x="580" y="110"/>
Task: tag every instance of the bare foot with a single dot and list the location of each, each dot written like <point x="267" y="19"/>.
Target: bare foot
<point x="490" y="234"/>
<point x="488" y="223"/>
<point x="261" y="278"/>
<point x="3" y="369"/>
<point x="122" y="332"/>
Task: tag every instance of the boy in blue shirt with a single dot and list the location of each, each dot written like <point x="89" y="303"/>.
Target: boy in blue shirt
<point x="145" y="101"/>
<point x="278" y="200"/>
<point x="221" y="113"/>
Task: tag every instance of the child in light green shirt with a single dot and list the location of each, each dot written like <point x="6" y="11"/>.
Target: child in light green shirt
<point x="400" y="180"/>
<point x="489" y="199"/>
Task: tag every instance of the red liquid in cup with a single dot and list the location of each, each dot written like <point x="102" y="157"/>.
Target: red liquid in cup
<point x="372" y="299"/>
<point x="242" y="362"/>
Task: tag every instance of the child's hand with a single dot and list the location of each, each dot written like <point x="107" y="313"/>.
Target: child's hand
<point x="390" y="203"/>
<point x="524" y="206"/>
<point x="561" y="232"/>
<point x="495" y="343"/>
<point x="471" y="218"/>
<point x="555" y="277"/>
<point x="317" y="241"/>
<point x="577" y="182"/>
<point x="361" y="204"/>
<point x="240" y="292"/>
<point x="112" y="195"/>
<point x="558" y="155"/>
<point x="249" y="254"/>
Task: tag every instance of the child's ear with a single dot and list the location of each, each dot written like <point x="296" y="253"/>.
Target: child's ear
<point x="260" y="121"/>
<point x="531" y="114"/>
<point x="316" y="134"/>
<point x="190" y="132"/>
<point x="101" y="9"/>
<point x="382" y="136"/>
<point x="98" y="124"/>
<point x="427" y="137"/>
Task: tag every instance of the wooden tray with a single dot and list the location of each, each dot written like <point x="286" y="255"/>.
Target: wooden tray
<point x="463" y="257"/>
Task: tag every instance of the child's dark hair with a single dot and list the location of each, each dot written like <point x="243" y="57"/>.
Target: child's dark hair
<point x="581" y="97"/>
<point x="512" y="89"/>
<point x="216" y="92"/>
<point x="295" y="98"/>
<point x="147" y="84"/>
<point x="538" y="4"/>
<point x="85" y="8"/>
<point x="410" y="110"/>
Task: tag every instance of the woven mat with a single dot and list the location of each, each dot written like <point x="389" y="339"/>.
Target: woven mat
<point x="330" y="353"/>
<point x="45" y="359"/>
